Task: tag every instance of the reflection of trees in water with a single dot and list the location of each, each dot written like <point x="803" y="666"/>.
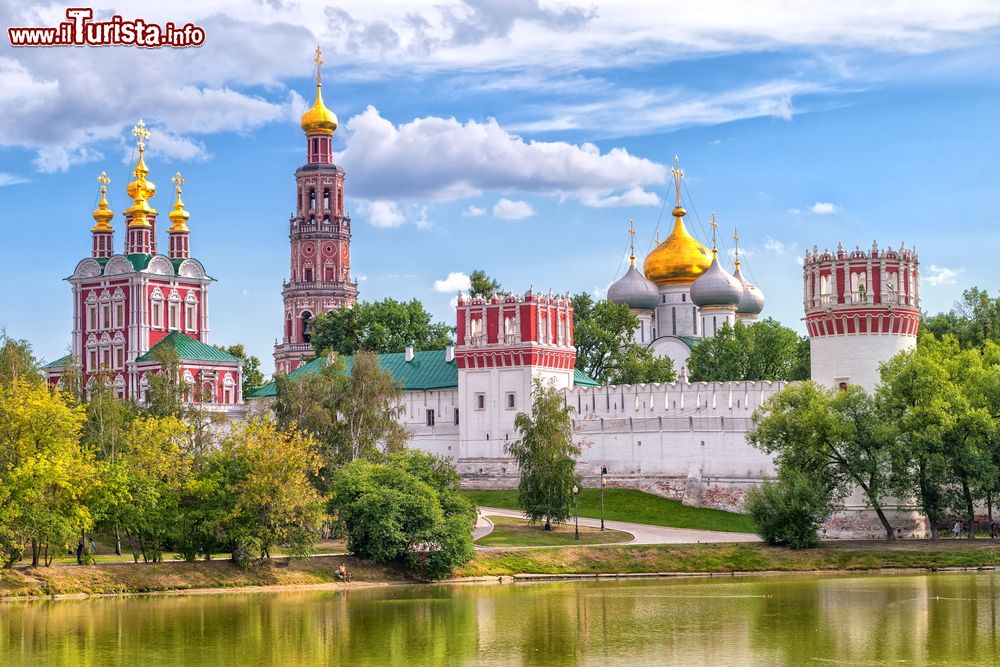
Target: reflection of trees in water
<point x="783" y="621"/>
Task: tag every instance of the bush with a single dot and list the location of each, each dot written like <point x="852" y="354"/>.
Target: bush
<point x="406" y="510"/>
<point x="789" y="511"/>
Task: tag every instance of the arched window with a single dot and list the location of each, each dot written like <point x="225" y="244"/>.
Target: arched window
<point x="207" y="392"/>
<point x="312" y="199"/>
<point x="288" y="327"/>
<point x="326" y="199"/>
<point x="228" y="389"/>
<point x="306" y="331"/>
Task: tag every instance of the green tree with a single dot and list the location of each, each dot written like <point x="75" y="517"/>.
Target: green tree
<point x="353" y="414"/>
<point x="763" y="350"/>
<point x="167" y="389"/>
<point x="605" y="349"/>
<point x="973" y="320"/>
<point x="17" y="361"/>
<point x="252" y="375"/>
<point x="271" y="501"/>
<point x="837" y="438"/>
<point x="483" y="286"/>
<point x="546" y="456"/>
<point x="790" y="510"/>
<point x="378" y="326"/>
<point x="407" y="509"/>
<point x="44" y="475"/>
<point x="945" y="401"/>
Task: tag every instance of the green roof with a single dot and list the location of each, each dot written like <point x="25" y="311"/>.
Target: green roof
<point x="139" y="261"/>
<point x="427" y="371"/>
<point x="62" y="362"/>
<point x="581" y="379"/>
<point x="189" y="349"/>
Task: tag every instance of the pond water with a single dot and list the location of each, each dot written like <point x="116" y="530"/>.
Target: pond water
<point x="943" y="619"/>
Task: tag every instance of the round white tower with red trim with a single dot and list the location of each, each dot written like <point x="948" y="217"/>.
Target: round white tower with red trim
<point x="862" y="308"/>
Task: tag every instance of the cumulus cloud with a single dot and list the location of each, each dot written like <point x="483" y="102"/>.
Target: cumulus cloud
<point x="382" y="213"/>
<point x="473" y="157"/>
<point x="506" y="209"/>
<point x="473" y="212"/>
<point x="455" y="282"/>
<point x="633" y="197"/>
<point x="774" y="246"/>
<point x="825" y="208"/>
<point x="942" y="275"/>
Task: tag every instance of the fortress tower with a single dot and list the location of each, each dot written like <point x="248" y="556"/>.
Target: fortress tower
<point x="861" y="309"/>
<point x="501" y="345"/>
<point x="320" y="238"/>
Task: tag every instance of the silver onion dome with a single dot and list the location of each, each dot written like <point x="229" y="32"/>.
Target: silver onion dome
<point x="716" y="287"/>
<point x="634" y="290"/>
<point x="752" y="301"/>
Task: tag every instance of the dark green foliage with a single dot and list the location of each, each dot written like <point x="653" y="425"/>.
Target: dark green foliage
<point x="378" y="326"/>
<point x="407" y="509"/>
<point x="482" y="285"/>
<point x="763" y="350"/>
<point x="252" y="377"/>
<point x="605" y="350"/>
<point x="789" y="511"/>
<point x="546" y="457"/>
<point x="17" y="361"/>
<point x="972" y="321"/>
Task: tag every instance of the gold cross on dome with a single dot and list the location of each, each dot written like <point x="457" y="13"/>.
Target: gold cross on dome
<point x="103" y="179"/>
<point x="631" y="239"/>
<point x="319" y="61"/>
<point x="678" y="177"/>
<point x="141" y="133"/>
<point x="178" y="180"/>
<point x="736" y="245"/>
<point x="714" y="225"/>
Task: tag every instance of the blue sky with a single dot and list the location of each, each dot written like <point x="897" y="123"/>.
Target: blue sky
<point x="849" y="123"/>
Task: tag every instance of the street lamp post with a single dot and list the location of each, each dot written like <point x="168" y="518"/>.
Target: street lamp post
<point x="604" y="471"/>
<point x="576" y="513"/>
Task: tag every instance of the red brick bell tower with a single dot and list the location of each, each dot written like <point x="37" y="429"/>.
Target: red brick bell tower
<point x="320" y="236"/>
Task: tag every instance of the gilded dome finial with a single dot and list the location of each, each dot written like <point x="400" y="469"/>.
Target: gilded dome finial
<point x="631" y="242"/>
<point x="102" y="214"/>
<point x="140" y="189"/>
<point x="736" y="247"/>
<point x="178" y="215"/>
<point x="678" y="173"/>
<point x="318" y="119"/>
<point x="714" y="225"/>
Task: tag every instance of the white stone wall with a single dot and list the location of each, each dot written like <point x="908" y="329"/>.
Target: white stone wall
<point x="854" y="358"/>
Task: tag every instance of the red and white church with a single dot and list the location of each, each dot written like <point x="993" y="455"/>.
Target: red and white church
<point x="127" y="305"/>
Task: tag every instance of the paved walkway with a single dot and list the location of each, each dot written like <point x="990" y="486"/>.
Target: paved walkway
<point x="643" y="533"/>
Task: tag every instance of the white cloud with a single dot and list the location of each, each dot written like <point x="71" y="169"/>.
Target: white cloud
<point x="382" y="213"/>
<point x="800" y="260"/>
<point x="10" y="179"/>
<point x="825" y="208"/>
<point x="472" y="157"/>
<point x="455" y="282"/>
<point x="774" y="246"/>
<point x="506" y="209"/>
<point x="473" y="212"/>
<point x="941" y="275"/>
<point x="633" y="197"/>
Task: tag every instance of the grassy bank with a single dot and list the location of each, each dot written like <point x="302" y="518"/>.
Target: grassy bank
<point x="635" y="507"/>
<point x="509" y="532"/>
<point x="179" y="575"/>
<point x="732" y="558"/>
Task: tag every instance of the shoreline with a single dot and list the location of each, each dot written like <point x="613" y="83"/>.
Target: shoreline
<point x="596" y="563"/>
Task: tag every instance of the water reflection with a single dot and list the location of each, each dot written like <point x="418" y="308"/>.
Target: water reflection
<point x="937" y="619"/>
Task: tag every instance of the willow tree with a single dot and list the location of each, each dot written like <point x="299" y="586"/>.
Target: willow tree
<point x="546" y="456"/>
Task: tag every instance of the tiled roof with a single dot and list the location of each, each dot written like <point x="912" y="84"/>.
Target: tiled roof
<point x="428" y="370"/>
<point x="188" y="348"/>
<point x="581" y="379"/>
<point x="62" y="362"/>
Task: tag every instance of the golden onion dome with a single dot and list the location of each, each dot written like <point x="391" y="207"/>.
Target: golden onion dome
<point x="680" y="259"/>
<point x="318" y="119"/>
<point x="178" y="216"/>
<point x="103" y="214"/>
<point x="140" y="189"/>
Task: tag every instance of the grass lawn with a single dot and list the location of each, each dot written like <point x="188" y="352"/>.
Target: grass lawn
<point x="633" y="506"/>
<point x="510" y="532"/>
<point x="724" y="558"/>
